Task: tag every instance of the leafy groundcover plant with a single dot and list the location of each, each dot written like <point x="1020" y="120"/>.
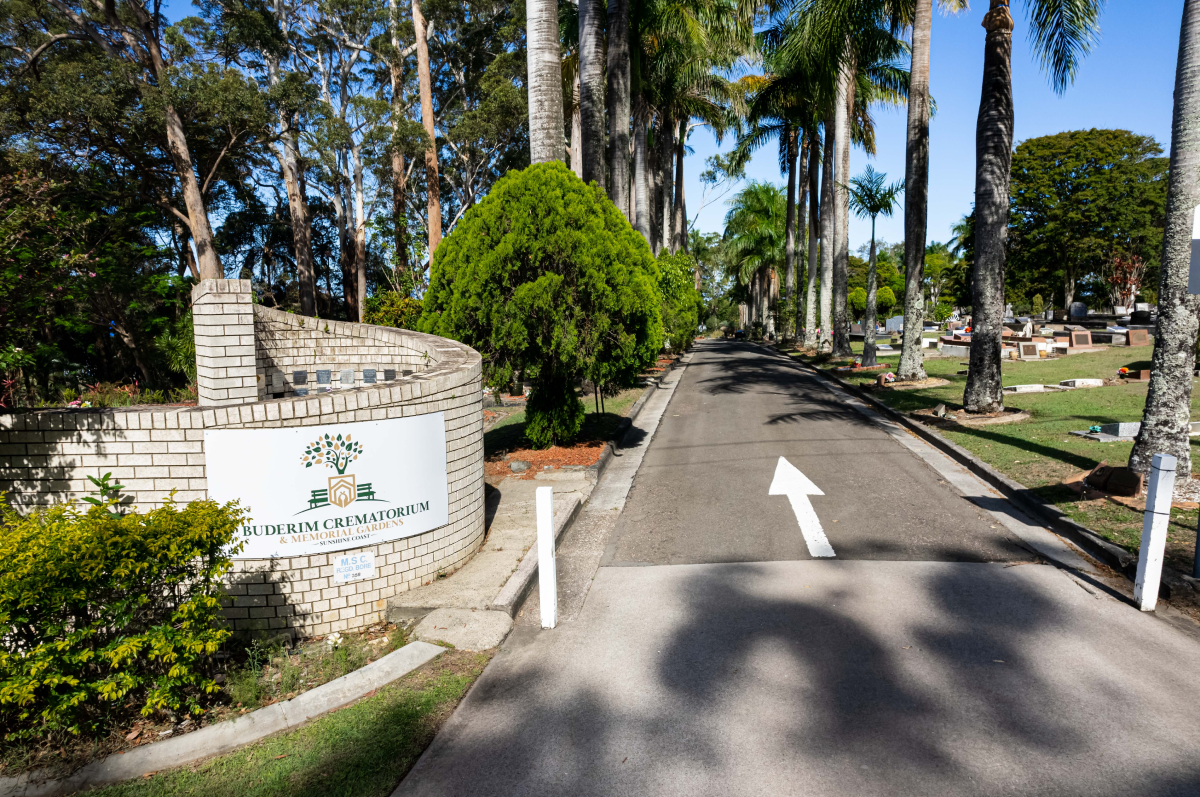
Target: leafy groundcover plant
<point x="104" y="614"/>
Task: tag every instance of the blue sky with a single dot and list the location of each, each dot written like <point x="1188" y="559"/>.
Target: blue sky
<point x="1126" y="82"/>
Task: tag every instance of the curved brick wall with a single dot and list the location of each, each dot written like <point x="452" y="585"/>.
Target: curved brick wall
<point x="46" y="456"/>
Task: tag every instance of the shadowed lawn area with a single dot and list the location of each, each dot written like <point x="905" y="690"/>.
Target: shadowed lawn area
<point x="1040" y="452"/>
<point x="358" y="751"/>
<point x="509" y="434"/>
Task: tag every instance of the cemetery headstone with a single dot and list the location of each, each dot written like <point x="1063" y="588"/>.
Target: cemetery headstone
<point x="299" y="377"/>
<point x="1137" y="337"/>
<point x="323" y="377"/>
<point x="1081" y="339"/>
<point x="894" y="324"/>
<point x="1141" y="307"/>
<point x="1077" y="310"/>
<point x="1140" y="317"/>
<point x="389" y="374"/>
<point x="1029" y="351"/>
<point x="369" y="376"/>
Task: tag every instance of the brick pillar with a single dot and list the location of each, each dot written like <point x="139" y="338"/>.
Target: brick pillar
<point x="223" y="316"/>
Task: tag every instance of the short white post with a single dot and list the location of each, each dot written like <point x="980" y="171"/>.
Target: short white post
<point x="547" y="574"/>
<point x="1154" y="531"/>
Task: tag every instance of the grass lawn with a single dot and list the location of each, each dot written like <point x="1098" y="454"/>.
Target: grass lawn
<point x="363" y="749"/>
<point x="1039" y="453"/>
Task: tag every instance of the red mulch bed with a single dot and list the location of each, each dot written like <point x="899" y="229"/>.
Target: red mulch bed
<point x="586" y="454"/>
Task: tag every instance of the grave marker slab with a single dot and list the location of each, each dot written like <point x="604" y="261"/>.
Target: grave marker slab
<point x="1029" y="351"/>
<point x="299" y="377"/>
<point x="368" y="376"/>
<point x="1137" y="337"/>
<point x="389" y="374"/>
<point x="323" y="377"/>
<point x="1081" y="339"/>
<point x="347" y="377"/>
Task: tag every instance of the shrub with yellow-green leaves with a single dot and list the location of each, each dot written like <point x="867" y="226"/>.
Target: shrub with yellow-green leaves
<point x="105" y="614"/>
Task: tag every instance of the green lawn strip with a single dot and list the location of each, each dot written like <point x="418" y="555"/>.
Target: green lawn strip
<point x="509" y="434"/>
<point x="363" y="749"/>
<point x="1040" y="452"/>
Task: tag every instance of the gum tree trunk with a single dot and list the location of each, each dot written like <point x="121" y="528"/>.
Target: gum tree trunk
<point x="425" y="86"/>
<point x="591" y="89"/>
<point x="916" y="195"/>
<point x="1168" y="401"/>
<point x="827" y="219"/>
<point x="993" y="163"/>
<point x="814" y="234"/>
<point x="841" y="234"/>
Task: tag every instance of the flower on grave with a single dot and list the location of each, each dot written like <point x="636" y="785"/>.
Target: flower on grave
<point x="334" y="640"/>
<point x="1122" y="370"/>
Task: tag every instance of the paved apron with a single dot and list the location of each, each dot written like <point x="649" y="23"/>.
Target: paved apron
<point x="932" y="655"/>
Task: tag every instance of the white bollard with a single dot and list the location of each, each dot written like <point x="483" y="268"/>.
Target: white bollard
<point x="547" y="574"/>
<point x="1154" y="531"/>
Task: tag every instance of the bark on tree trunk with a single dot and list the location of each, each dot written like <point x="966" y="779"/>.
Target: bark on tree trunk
<point x="618" y="103"/>
<point x="545" y="81"/>
<point x="801" y="216"/>
<point x="293" y="180"/>
<point x="869" y="316"/>
<point x="1168" y="401"/>
<point x="656" y="197"/>
<point x="814" y="236"/>
<point x="789" y="255"/>
<point x="591" y="88"/>
<point x="576" y="132"/>
<point x="1068" y="290"/>
<point x="666" y="157"/>
<point x="916" y="194"/>
<point x="425" y="86"/>
<point x="399" y="217"/>
<point x="679" y="223"/>
<point x="346" y="248"/>
<point x="993" y="161"/>
<point x="206" y="254"/>
<point x="841" y="240"/>
<point x="641" y="188"/>
<point x="827" y="219"/>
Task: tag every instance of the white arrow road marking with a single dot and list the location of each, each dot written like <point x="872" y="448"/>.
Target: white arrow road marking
<point x="797" y="487"/>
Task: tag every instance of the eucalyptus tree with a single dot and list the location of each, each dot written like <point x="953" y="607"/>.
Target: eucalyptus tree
<point x="1165" y="422"/>
<point x="1062" y="32"/>
<point x="871" y="198"/>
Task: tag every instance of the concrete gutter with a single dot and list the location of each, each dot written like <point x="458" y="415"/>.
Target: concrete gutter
<point x="226" y="736"/>
<point x="1175" y="584"/>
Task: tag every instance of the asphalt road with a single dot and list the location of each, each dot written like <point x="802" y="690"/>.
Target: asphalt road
<point x="713" y="655"/>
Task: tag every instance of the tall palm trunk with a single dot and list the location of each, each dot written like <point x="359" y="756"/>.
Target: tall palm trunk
<point x="545" y="81"/>
<point x="814" y="236"/>
<point x="641" y="177"/>
<point x="1168" y="402"/>
<point x="576" y="131"/>
<point x="591" y="88"/>
<point x="656" y="194"/>
<point x="801" y="216"/>
<point x="425" y="86"/>
<point x="666" y="156"/>
<point x="993" y="164"/>
<point x="789" y="246"/>
<point x="679" y="220"/>
<point x="869" y="316"/>
<point x="618" y="104"/>
<point x="841" y="213"/>
<point x="916" y="194"/>
<point x="827" y="219"/>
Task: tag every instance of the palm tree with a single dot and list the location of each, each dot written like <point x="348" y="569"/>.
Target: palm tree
<point x="545" y="81"/>
<point x="591" y="88"/>
<point x="618" y="104"/>
<point x="1168" y="401"/>
<point x="1062" y="33"/>
<point x="869" y="197"/>
<point x="756" y="239"/>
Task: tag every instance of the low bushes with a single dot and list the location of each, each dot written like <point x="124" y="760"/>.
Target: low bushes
<point x="104" y="613"/>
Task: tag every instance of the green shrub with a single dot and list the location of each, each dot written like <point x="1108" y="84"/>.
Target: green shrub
<point x="885" y="300"/>
<point x="390" y="309"/>
<point x="681" y="302"/>
<point x="101" y="612"/>
<point x="545" y="276"/>
<point x="942" y="312"/>
<point x="858" y="300"/>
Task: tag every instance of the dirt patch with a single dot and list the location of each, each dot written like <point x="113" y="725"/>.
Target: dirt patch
<point x="961" y="418"/>
<point x="917" y="384"/>
<point x="583" y="454"/>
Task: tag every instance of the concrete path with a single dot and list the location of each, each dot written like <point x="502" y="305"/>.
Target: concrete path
<point x="935" y="654"/>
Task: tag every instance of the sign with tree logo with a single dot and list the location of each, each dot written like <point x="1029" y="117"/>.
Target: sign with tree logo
<point x="319" y="489"/>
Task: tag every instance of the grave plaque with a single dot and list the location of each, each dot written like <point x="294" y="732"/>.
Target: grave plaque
<point x="301" y="391"/>
<point x="368" y="376"/>
<point x="389" y="374"/>
<point x="1081" y="339"/>
<point x="347" y="377"/>
<point x="1137" y="337"/>
<point x="277" y="382"/>
<point x="1029" y="351"/>
<point x="323" y="377"/>
<point x="299" y="377"/>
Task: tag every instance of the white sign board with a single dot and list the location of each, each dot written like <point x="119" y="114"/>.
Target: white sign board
<point x="319" y="489"/>
<point x="353" y="567"/>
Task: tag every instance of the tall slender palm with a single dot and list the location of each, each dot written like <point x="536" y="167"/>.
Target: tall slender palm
<point x="1062" y="33"/>
<point x="591" y="88"/>
<point x="618" y="104"/>
<point x="755" y="239"/>
<point x="1168" y="401"/>
<point x="545" y="81"/>
<point x="869" y="197"/>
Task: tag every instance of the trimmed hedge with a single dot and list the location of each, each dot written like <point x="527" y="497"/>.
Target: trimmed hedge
<point x="103" y="613"/>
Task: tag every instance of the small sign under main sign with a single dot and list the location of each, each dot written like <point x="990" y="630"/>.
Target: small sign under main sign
<point x="354" y="567"/>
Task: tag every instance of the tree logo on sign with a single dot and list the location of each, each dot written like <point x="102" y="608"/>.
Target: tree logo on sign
<point x="337" y="452"/>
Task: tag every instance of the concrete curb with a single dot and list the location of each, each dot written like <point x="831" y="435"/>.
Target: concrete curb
<point x="520" y="582"/>
<point x="1175" y="584"/>
<point x="226" y="736"/>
